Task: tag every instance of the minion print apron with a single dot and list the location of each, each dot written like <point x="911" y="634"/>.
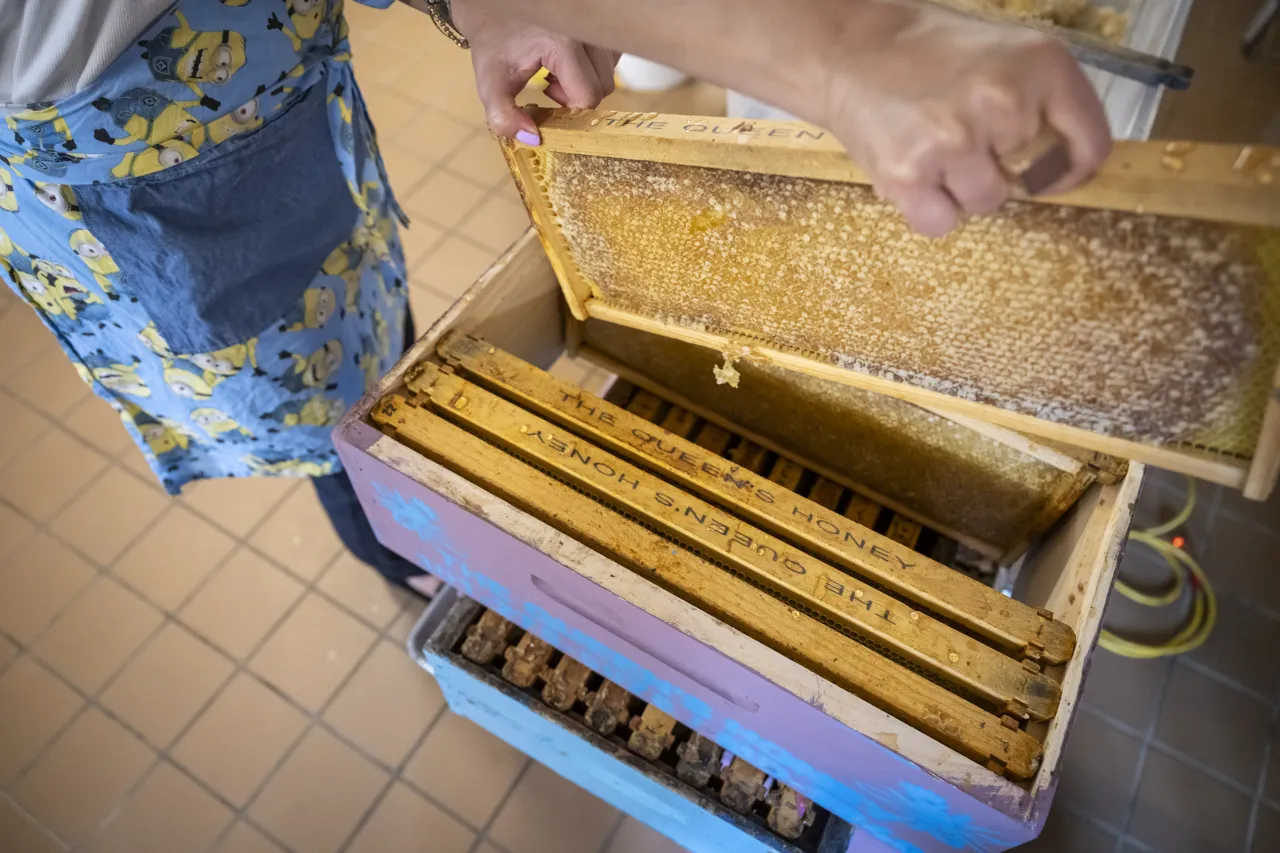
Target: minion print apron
<point x="209" y="232"/>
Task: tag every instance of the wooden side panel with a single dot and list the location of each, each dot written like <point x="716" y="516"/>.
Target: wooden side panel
<point x="516" y="304"/>
<point x="1265" y="467"/>
<point x="1073" y="571"/>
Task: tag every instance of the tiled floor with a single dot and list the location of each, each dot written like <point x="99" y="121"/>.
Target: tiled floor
<point x="215" y="674"/>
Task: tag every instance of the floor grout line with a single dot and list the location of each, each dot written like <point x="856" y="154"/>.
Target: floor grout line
<point x="453" y="229"/>
<point x="241" y="666"/>
<point x="1248" y="521"/>
<point x="1147" y="740"/>
<point x="93" y="701"/>
<point x="123" y="803"/>
<point x="89" y="700"/>
<point x="483" y="835"/>
<point x="395" y="777"/>
<point x="1093" y="820"/>
<point x="1197" y="765"/>
<point x="1227" y="681"/>
<point x="244" y="668"/>
<point x="15" y="780"/>
<point x="612" y="834"/>
<point x="316" y="720"/>
<point x="22" y="810"/>
<point x="1172" y="752"/>
<point x="1259" y="794"/>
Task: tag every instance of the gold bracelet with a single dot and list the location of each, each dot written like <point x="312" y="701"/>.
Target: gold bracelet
<point x="442" y="13"/>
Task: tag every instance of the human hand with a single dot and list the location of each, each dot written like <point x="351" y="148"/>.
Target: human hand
<point x="507" y="53"/>
<point x="932" y="106"/>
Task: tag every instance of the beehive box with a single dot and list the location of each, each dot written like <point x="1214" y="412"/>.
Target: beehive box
<point x="896" y="784"/>
<point x="1139" y="316"/>
<point x="1058" y="345"/>
<point x="625" y="752"/>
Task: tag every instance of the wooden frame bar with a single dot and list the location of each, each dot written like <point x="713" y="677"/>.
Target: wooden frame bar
<point x="1214" y="182"/>
<point x="1207" y="466"/>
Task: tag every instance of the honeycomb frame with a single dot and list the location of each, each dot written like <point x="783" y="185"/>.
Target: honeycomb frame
<point x="1147" y="303"/>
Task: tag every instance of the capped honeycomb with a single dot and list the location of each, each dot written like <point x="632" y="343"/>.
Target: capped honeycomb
<point x="1147" y="328"/>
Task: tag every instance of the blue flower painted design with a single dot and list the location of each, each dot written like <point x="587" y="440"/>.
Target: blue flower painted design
<point x="884" y="836"/>
<point x="409" y="513"/>
<point x="928" y="812"/>
<point x="414" y="515"/>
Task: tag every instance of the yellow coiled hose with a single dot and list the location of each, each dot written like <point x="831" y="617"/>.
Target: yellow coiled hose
<point x="1204" y="606"/>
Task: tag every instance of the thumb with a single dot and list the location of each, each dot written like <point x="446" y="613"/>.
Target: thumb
<point x="497" y="90"/>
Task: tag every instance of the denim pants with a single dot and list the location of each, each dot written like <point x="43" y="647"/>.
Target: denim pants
<point x="338" y="497"/>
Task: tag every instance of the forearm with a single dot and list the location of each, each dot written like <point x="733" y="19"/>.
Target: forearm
<point x="924" y="100"/>
<point x="782" y="51"/>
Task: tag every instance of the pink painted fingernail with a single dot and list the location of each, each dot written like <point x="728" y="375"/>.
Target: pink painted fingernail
<point x="528" y="138"/>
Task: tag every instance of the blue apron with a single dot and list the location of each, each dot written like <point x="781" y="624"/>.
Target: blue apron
<point x="209" y="232"/>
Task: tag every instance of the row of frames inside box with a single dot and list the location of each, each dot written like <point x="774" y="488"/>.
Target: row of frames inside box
<point x="869" y="598"/>
<point x="586" y="700"/>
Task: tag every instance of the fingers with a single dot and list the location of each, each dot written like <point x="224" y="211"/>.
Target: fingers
<point x="1009" y="116"/>
<point x="576" y="83"/>
<point x="912" y="179"/>
<point x="555" y="91"/>
<point x="1076" y="112"/>
<point x="923" y="168"/>
<point x="976" y="182"/>
<point x="938" y="180"/>
<point x="946" y="173"/>
<point x="603" y="61"/>
<point x="589" y="70"/>
<point x="929" y="210"/>
<point x="497" y="85"/>
<point x="940" y="161"/>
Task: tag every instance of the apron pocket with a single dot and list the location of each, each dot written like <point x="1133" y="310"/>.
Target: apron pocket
<point x="219" y="248"/>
